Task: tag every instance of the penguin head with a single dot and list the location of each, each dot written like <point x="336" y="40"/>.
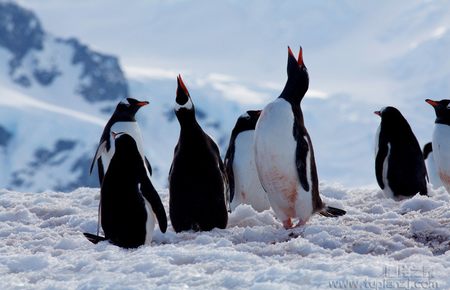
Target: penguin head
<point x="183" y="102"/>
<point x="125" y="148"/>
<point x="442" y="110"/>
<point x="127" y="108"/>
<point x="298" y="79"/>
<point x="247" y="121"/>
<point x="390" y="113"/>
<point x="392" y="120"/>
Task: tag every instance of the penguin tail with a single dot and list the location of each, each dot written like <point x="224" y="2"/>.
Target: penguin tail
<point x="94" y="238"/>
<point x="329" y="211"/>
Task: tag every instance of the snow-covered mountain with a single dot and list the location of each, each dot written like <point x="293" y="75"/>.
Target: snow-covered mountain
<point x="56" y="95"/>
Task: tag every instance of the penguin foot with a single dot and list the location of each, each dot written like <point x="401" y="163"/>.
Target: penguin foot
<point x="94" y="238"/>
<point x="330" y="211"/>
<point x="287" y="224"/>
<point x="301" y="223"/>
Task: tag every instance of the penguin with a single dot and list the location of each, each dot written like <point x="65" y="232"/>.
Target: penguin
<point x="245" y="187"/>
<point x="441" y="140"/>
<point x="198" y="187"/>
<point x="122" y="120"/>
<point x="399" y="164"/>
<point x="129" y="202"/>
<point x="431" y="165"/>
<point x="284" y="153"/>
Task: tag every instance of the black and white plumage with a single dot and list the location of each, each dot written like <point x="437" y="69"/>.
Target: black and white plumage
<point x="284" y="153"/>
<point x="129" y="202"/>
<point x="122" y="120"/>
<point x="431" y="165"/>
<point x="245" y="187"/>
<point x="399" y="164"/>
<point x="441" y="140"/>
<point x="198" y="186"/>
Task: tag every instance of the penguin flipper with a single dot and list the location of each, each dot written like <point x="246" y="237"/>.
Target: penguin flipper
<point x="94" y="238"/>
<point x="302" y="150"/>
<point x="329" y="211"/>
<point x="228" y="163"/>
<point x="100" y="149"/>
<point x="379" y="161"/>
<point x="224" y="174"/>
<point x="152" y="196"/>
<point x="149" y="167"/>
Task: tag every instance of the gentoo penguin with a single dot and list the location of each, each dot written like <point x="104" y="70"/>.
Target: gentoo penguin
<point x="197" y="180"/>
<point x="245" y="187"/>
<point x="122" y="120"/>
<point x="284" y="154"/>
<point x="441" y="140"/>
<point x="129" y="202"/>
<point x="431" y="165"/>
<point x="399" y="164"/>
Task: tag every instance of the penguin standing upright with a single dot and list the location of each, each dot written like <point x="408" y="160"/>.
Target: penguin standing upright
<point x="399" y="164"/>
<point x="284" y="154"/>
<point x="245" y="187"/>
<point x="129" y="202"/>
<point x="122" y="120"/>
<point x="441" y="140"/>
<point x="197" y="180"/>
<point x="431" y="165"/>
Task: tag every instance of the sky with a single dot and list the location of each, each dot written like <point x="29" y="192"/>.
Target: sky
<point x="349" y="46"/>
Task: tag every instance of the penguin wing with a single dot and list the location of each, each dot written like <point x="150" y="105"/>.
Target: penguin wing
<point x="223" y="171"/>
<point x="100" y="149"/>
<point x="152" y="196"/>
<point x="229" y="159"/>
<point x="301" y="153"/>
<point x="379" y="161"/>
<point x="149" y="167"/>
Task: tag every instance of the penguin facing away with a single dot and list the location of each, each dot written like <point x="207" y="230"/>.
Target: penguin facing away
<point x="245" y="187"/>
<point x="441" y="140"/>
<point x="198" y="186"/>
<point x="284" y="154"/>
<point x="431" y="165"/>
<point x="129" y="202"/>
<point x="399" y="164"/>
<point x="122" y="120"/>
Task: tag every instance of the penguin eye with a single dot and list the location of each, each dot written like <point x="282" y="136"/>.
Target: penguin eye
<point x="448" y="106"/>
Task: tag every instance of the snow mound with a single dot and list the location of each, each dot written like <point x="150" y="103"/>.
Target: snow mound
<point x="42" y="246"/>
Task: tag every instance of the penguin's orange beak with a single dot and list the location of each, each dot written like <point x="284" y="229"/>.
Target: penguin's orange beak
<point x="143" y="103"/>
<point x="431" y="102"/>
<point x="300" y="57"/>
<point x="377" y="113"/>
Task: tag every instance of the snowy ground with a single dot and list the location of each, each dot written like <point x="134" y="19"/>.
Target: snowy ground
<point x="379" y="244"/>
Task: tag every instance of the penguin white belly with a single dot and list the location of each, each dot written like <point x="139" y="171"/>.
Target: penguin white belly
<point x="441" y="153"/>
<point x="150" y="223"/>
<point x="387" y="189"/>
<point x="132" y="129"/>
<point x="247" y="187"/>
<point x="275" y="155"/>
<point x="432" y="172"/>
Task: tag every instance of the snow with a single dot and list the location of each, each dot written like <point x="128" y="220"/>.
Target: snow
<point x="42" y="246"/>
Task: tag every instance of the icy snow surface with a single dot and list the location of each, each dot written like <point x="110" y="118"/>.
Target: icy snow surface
<point x="378" y="241"/>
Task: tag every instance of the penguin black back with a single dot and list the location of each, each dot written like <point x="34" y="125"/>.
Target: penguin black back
<point x="245" y="122"/>
<point x="197" y="178"/>
<point x="405" y="172"/>
<point x="123" y="193"/>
